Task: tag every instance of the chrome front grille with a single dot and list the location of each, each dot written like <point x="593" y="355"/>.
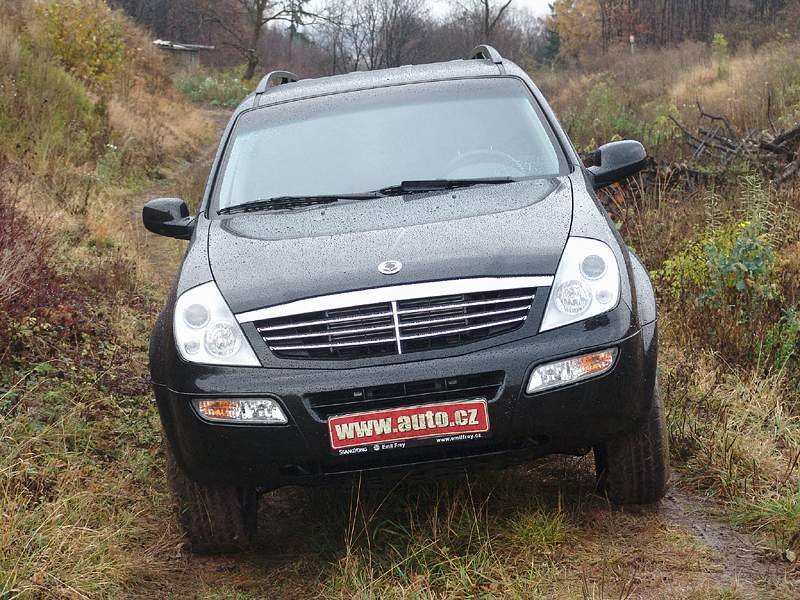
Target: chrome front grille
<point x="406" y="321"/>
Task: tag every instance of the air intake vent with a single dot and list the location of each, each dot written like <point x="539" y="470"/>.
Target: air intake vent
<point x="462" y="387"/>
<point x="398" y="326"/>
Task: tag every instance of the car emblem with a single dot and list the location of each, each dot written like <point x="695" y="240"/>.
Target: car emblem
<point x="390" y="267"/>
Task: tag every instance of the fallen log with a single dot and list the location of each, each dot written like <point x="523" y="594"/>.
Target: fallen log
<point x="716" y="142"/>
<point x="790" y="135"/>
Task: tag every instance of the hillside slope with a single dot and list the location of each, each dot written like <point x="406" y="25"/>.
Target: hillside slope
<point x="87" y="114"/>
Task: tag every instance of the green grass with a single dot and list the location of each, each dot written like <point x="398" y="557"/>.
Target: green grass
<point x="221" y="88"/>
<point x="778" y="515"/>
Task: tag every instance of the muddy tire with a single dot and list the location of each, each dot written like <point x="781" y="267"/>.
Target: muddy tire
<point x="634" y="468"/>
<point x="216" y="518"/>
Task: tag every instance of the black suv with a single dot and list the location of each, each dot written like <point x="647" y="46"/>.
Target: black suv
<point x="401" y="270"/>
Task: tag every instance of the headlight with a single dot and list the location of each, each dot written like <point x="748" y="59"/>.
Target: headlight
<point x="586" y="283"/>
<point x="206" y="331"/>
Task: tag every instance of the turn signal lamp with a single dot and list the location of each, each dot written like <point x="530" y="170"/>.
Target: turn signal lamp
<point x="570" y="370"/>
<point x="242" y="410"/>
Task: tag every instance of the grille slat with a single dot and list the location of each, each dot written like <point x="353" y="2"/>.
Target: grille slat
<point x="335" y="345"/>
<point x="297" y="336"/>
<point x="417" y="336"/>
<point x="326" y="321"/>
<point x="462" y="316"/>
<point x="410" y="311"/>
<point x="430" y="391"/>
<point x="398" y="326"/>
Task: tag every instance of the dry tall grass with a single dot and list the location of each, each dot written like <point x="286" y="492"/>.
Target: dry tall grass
<point x="80" y="474"/>
<point x="653" y="84"/>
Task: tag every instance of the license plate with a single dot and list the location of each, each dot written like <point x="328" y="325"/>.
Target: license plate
<point x="395" y="427"/>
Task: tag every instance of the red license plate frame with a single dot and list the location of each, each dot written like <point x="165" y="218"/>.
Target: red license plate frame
<point x="409" y="423"/>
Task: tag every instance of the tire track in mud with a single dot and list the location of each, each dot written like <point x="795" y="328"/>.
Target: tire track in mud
<point x="739" y="556"/>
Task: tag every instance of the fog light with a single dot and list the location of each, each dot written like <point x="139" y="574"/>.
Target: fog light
<point x="570" y="370"/>
<point x="243" y="410"/>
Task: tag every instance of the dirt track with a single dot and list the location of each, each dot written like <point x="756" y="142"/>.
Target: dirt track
<point x="673" y="550"/>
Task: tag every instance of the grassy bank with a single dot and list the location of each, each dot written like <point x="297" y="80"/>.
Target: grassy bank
<point x="87" y="114"/>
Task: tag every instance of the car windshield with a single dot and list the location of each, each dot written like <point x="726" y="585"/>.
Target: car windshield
<point x="367" y="140"/>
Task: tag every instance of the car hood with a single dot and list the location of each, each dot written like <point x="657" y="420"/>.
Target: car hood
<point x="269" y="258"/>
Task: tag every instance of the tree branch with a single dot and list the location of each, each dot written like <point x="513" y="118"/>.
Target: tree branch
<point x="499" y="14"/>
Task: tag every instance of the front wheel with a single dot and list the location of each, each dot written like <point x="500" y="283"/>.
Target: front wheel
<point x="215" y="518"/>
<point x="634" y="467"/>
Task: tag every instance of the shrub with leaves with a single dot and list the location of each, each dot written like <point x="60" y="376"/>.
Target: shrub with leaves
<point x="719" y="47"/>
<point x="732" y="260"/>
<point x="26" y="282"/>
<point x="728" y="277"/>
<point x="740" y="262"/>
<point x="781" y="343"/>
<point x="86" y="39"/>
<point x="663" y="129"/>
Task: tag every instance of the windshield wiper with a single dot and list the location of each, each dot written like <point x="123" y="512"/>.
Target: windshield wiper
<point x="290" y="202"/>
<point x="407" y="187"/>
<point x="432" y="185"/>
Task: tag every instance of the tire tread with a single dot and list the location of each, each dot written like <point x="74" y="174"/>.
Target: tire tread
<point x="634" y="468"/>
<point x="212" y="516"/>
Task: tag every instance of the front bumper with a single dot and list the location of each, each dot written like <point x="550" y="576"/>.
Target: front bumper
<point x="560" y="420"/>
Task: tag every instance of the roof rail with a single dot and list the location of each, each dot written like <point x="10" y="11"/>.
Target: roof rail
<point x="273" y="79"/>
<point x="486" y="52"/>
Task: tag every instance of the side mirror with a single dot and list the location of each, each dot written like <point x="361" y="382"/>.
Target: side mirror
<point x="617" y="161"/>
<point x="169" y="217"/>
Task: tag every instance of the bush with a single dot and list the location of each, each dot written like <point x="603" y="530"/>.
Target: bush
<point x="782" y="340"/>
<point x="44" y="112"/>
<point x="722" y="267"/>
<point x="719" y="47"/>
<point x="87" y="39"/>
<point x="224" y="88"/>
<point x="741" y="261"/>
<point x="727" y="278"/>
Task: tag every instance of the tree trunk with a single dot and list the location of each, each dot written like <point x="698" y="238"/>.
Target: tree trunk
<point x="486" y="33"/>
<point x="257" y="23"/>
<point x="252" y="64"/>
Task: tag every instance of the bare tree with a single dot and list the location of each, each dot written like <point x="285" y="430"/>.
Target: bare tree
<point x="374" y="34"/>
<point x="403" y="27"/>
<point x="488" y="14"/>
<point x="243" y="23"/>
